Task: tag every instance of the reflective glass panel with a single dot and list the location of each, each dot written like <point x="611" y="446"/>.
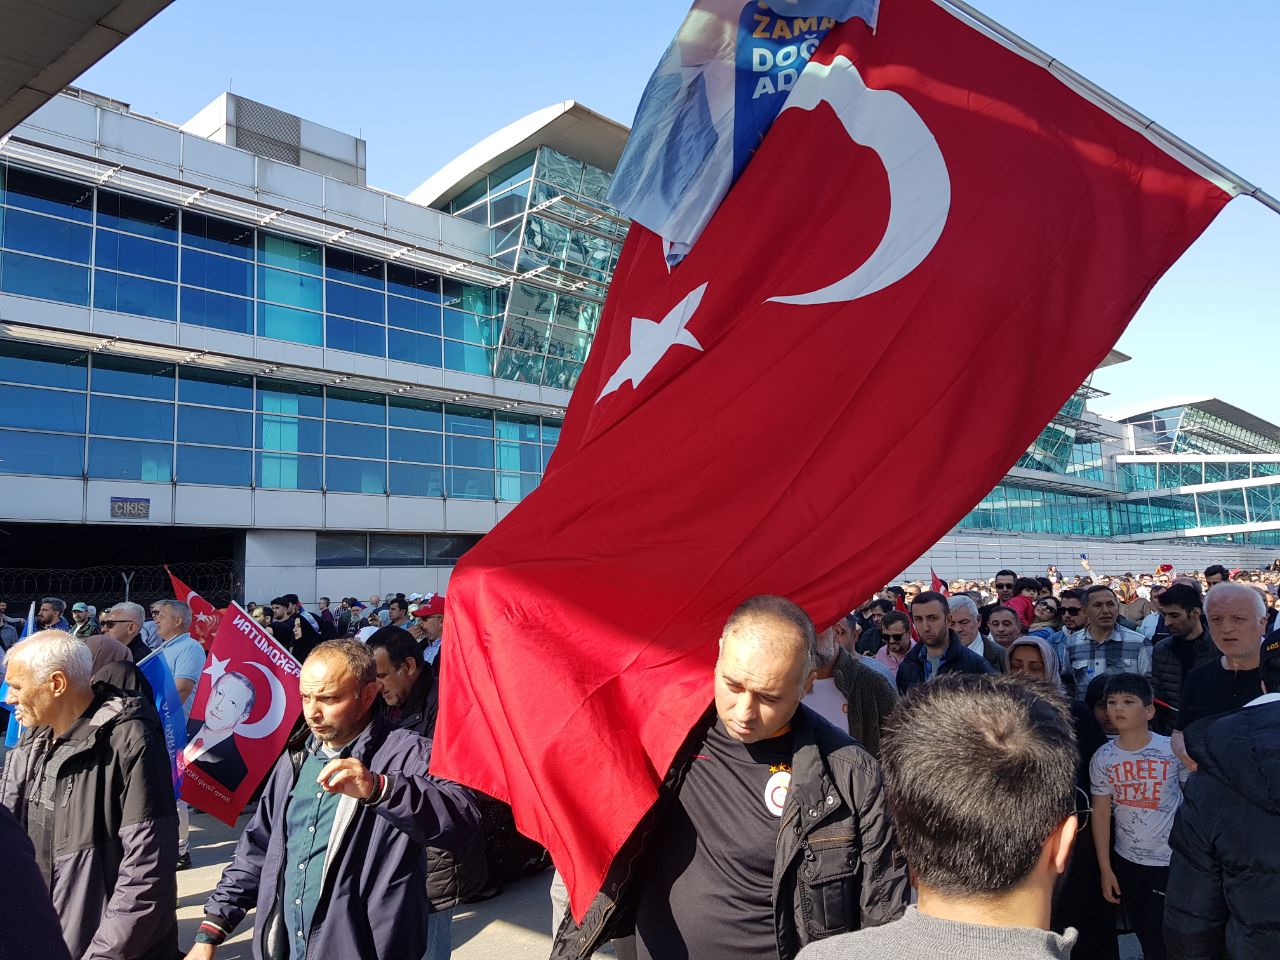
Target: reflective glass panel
<point x="35" y="364"/>
<point x="414" y="480"/>
<point x="352" y="440"/>
<point x="468" y="452"/>
<point x="130" y="254"/>
<point x="133" y="378"/>
<point x="516" y="426"/>
<point x="342" y="550"/>
<point x="413" y="315"/>
<point x="277" y="251"/>
<point x="412" y="282"/>
<point x="354" y="268"/>
<point x="417" y="447"/>
<point x="222" y="427"/>
<point x="356" y="405"/>
<point x="141" y="419"/>
<point x="35" y="191"/>
<point x="216" y="388"/>
<point x="203" y="308"/>
<point x="46" y="236"/>
<point x="291" y="434"/>
<point x="410" y="412"/>
<point x="42" y="409"/>
<point x="134" y="215"/>
<point x="470" y="421"/>
<point x="355" y="337"/>
<point x="520" y="366"/>
<point x="354" y="302"/>
<point x="126" y="460"/>
<point x="286" y="323"/>
<point x="45" y="454"/>
<point x="443" y="551"/>
<point x="300" y="399"/>
<point x="46" y="279"/>
<point x="555" y="168"/>
<point x="121" y="293"/>
<point x="526" y="457"/>
<point x="413" y="348"/>
<point x="214" y="465"/>
<point x="395" y="550"/>
<point x="468" y="358"/>
<point x="509" y="204"/>
<point x="355" y="476"/>
<point x="292" y="289"/>
<point x="469" y="328"/>
<point x="513" y="171"/>
<point x="469" y="484"/>
<point x="288" y="471"/>
<point x="217" y="273"/>
<point x="514" y="487"/>
<point x="217" y="236"/>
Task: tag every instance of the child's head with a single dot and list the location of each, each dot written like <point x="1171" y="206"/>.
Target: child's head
<point x="1129" y="702"/>
<point x="1095" y="698"/>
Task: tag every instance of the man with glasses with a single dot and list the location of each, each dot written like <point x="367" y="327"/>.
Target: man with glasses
<point x="123" y="623"/>
<point x="1005" y="586"/>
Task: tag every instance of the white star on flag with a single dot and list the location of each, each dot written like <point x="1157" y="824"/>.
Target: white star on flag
<point x="216" y="667"/>
<point x="651" y="340"/>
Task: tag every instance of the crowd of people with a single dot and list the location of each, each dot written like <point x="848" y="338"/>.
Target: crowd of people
<point x="1021" y="766"/>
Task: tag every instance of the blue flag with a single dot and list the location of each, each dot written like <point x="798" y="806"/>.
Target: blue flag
<point x="14" y="729"/>
<point x="169" y="705"/>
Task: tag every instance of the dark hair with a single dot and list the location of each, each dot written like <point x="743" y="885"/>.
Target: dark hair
<point x="881" y="604"/>
<point x="895" y="616"/>
<point x="1026" y="583"/>
<point x="1096" y="690"/>
<point x="59" y="605"/>
<point x="1001" y="608"/>
<point x="399" y="644"/>
<point x="326" y="599"/>
<point x="293" y="599"/>
<point x="1005" y="573"/>
<point x="896" y="590"/>
<point x="399" y="601"/>
<point x="1216" y="570"/>
<point x="1269" y="663"/>
<point x="280" y="602"/>
<point x="1072" y="594"/>
<point x="1132" y="683"/>
<point x="977" y="828"/>
<point x="1182" y="595"/>
<point x="931" y="596"/>
<point x="1097" y="588"/>
<point x="1045" y="583"/>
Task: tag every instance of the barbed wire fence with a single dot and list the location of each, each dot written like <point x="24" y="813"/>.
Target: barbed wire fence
<point x="218" y="581"/>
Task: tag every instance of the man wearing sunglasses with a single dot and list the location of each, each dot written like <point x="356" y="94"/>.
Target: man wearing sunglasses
<point x="123" y="623"/>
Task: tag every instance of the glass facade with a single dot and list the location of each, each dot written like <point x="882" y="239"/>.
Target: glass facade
<point x="68" y="413"/>
<point x="1189" y="429"/>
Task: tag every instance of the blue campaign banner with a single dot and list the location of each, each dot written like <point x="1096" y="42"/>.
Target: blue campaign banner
<point x="169" y="705"/>
<point x="14" y="730"/>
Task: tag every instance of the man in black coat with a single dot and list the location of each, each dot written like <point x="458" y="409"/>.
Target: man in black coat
<point x="939" y="650"/>
<point x="1224" y="877"/>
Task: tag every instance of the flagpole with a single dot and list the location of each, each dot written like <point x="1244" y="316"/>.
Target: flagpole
<point x="1114" y="105"/>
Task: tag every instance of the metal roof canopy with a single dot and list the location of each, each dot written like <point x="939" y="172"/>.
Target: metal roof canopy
<point x="46" y="44"/>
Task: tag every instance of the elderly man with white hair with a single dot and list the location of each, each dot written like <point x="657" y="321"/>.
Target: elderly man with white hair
<point x="90" y="783"/>
<point x="1237" y="616"/>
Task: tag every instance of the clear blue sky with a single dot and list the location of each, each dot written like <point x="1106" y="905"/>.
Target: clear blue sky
<point x="422" y="81"/>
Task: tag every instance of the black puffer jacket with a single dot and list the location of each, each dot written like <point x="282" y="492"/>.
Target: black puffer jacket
<point x="1171" y="660"/>
<point x="1224" y="879"/>
<point x="838" y="866"/>
<point x="109" y="842"/>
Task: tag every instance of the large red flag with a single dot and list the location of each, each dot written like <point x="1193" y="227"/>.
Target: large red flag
<point x="204" y="617"/>
<point x="245" y="706"/>
<point x="789" y="410"/>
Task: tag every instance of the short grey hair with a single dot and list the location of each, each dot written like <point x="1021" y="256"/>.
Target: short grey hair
<point x="1227" y="589"/>
<point x="51" y="651"/>
<point x="181" y="608"/>
<point x="963" y="600"/>
<point x="130" y="610"/>
<point x="779" y="610"/>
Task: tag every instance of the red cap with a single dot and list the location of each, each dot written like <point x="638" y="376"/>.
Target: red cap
<point x="429" y="607"/>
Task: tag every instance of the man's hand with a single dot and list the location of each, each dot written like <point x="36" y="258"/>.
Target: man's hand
<point x="1110" y="885"/>
<point x="418" y="630"/>
<point x="348" y="776"/>
<point x="1178" y="744"/>
<point x="201" y="951"/>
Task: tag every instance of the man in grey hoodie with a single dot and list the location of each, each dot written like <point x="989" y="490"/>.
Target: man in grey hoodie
<point x="985" y="839"/>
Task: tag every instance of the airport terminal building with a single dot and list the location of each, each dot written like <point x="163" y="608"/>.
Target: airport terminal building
<point x="216" y="339"/>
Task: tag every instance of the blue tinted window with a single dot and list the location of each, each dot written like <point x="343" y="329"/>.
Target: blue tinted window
<point x="525" y="457"/>
<point x="289" y="471"/>
<point x="409" y="412"/>
<point x="411" y="282"/>
<point x="469" y="452"/>
<point x="224" y="427"/>
<point x="230" y="468"/>
<point x="413" y="314"/>
<point x="350" y="440"/>
<point x="293" y="289"/>
<point x="353" y="268"/>
<point x="35" y="191"/>
<point x="413" y="348"/>
<point x="137" y="295"/>
<point x="41" y="409"/>
<point x="342" y="550"/>
<point x="285" y="323"/>
<point x="470" y="328"/>
<point x="298" y="399"/>
<point x="355" y="476"/>
<point x="150" y="258"/>
<point x="45" y="366"/>
<point x="215" y="387"/>
<point x="217" y="311"/>
<point x="515" y="426"/>
<point x="278" y="251"/>
<point x="355" y="405"/>
<point x="126" y="460"/>
<point x="133" y="215"/>
<point x="417" y="447"/>
<point x="217" y="236"/>
<point x="290" y="434"/>
<point x="514" y="487"/>
<point x="142" y="419"/>
<point x="44" y="454"/>
<point x="468" y="420"/>
<point x="133" y="378"/>
<point x="32" y="233"/>
<point x="551" y="431"/>
<point x="355" y="337"/>
<point x="413" y="480"/>
<point x="46" y="279"/>
<point x="470" y="484"/>
<point x="468" y="358"/>
<point x="354" y="302"/>
<point x="217" y="273"/>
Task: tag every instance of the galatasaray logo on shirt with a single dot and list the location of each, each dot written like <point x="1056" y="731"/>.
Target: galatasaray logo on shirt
<point x="775" y="791"/>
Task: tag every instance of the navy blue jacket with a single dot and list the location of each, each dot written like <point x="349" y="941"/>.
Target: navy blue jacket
<point x="957" y="659"/>
<point x="374" y="895"/>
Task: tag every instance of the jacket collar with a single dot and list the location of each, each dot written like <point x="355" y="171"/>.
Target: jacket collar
<point x="953" y="652"/>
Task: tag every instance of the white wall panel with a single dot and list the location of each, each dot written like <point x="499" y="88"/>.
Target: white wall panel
<point x="288" y="508"/>
<point x="355" y="511"/>
<point x="42" y="498"/>
<point x="98" y="496"/>
<point x="207" y="506"/>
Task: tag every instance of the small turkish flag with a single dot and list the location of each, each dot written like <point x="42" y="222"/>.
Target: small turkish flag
<point x="926" y="214"/>
<point x="936" y="583"/>
<point x="204" y="616"/>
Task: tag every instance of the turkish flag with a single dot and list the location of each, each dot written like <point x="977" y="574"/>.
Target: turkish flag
<point x="934" y="232"/>
<point x="245" y="706"/>
<point x="204" y="617"/>
<point x="936" y="584"/>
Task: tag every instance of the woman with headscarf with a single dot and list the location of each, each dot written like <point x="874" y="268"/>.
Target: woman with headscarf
<point x="1034" y="657"/>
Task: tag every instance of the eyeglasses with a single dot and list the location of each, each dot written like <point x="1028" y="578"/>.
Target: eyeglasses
<point x="1072" y="611"/>
<point x="893" y="636"/>
<point x="113" y="623"/>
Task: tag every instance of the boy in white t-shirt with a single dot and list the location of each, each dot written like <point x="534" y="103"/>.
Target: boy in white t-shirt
<point x="1136" y="781"/>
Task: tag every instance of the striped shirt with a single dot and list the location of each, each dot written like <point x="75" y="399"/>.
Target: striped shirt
<point x="1125" y="651"/>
